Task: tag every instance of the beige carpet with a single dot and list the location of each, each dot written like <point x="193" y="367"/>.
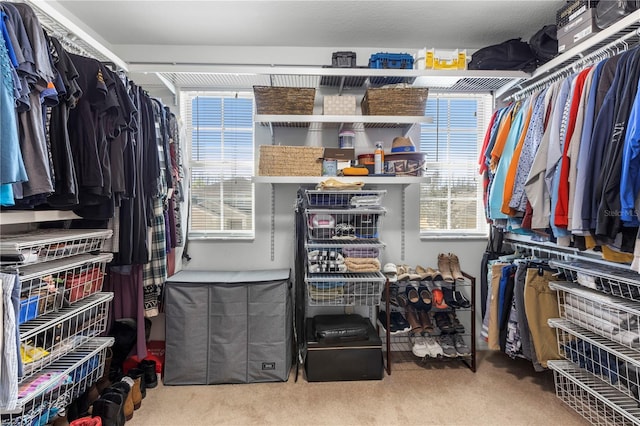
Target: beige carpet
<point x="502" y="392"/>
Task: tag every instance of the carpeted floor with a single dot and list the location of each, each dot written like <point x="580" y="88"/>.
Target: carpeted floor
<point x="502" y="392"/>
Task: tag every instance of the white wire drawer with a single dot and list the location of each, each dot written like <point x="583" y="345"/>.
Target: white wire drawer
<point x="349" y="256"/>
<point x="57" y="385"/>
<point x="49" y="244"/>
<point x="344" y="289"/>
<point x="50" y="337"/>
<point x="612" y="317"/>
<point x="46" y="287"/>
<point x="321" y="198"/>
<point x="613" y="363"/>
<point x="606" y="278"/>
<point x="591" y="397"/>
<point x="344" y="225"/>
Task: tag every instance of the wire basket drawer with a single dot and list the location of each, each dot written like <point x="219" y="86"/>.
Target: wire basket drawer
<point x="344" y="289"/>
<point x="46" y="339"/>
<point x="49" y="244"/>
<point x="345" y="225"/>
<point x="611" y="317"/>
<point x="46" y="287"/>
<point x="55" y="387"/>
<point x="342" y="258"/>
<point x="321" y="198"/>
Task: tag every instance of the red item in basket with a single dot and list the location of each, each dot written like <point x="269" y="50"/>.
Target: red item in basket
<point x="84" y="284"/>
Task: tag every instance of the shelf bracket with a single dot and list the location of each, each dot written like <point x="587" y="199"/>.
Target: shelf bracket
<point x="402" y="221"/>
<point x="273" y="223"/>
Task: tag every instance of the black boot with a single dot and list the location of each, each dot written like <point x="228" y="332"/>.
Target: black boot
<point x="150" y="376"/>
<point x="109" y="407"/>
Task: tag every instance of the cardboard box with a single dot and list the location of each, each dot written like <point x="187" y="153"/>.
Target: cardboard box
<point x="340" y="154"/>
<point x="578" y="30"/>
<point x="339" y="105"/>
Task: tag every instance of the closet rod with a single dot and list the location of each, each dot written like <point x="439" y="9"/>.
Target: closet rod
<point x="608" y="50"/>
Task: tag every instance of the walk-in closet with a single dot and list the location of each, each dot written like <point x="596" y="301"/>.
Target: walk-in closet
<point x="319" y="212"/>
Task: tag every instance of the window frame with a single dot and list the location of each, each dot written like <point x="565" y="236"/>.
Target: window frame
<point x="186" y="98"/>
<point x="481" y="230"/>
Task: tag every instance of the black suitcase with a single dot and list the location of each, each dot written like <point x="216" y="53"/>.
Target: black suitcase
<point x="610" y="11"/>
<point x="329" y="360"/>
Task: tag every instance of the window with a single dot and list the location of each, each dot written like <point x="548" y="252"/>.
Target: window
<point x="220" y="126"/>
<point x="451" y="201"/>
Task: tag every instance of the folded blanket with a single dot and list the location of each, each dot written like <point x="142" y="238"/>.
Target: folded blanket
<point x="360" y="251"/>
<point x="357" y="264"/>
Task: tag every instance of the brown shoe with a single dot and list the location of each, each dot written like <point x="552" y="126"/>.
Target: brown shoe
<point x="455" y="267"/>
<point x="412" y="319"/>
<point x="425" y="320"/>
<point x="444" y="265"/>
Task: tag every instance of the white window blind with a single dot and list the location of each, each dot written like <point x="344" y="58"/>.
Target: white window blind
<point x="451" y="201"/>
<point x="220" y="126"/>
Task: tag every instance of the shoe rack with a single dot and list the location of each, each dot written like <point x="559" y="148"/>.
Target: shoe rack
<point x="62" y="311"/>
<point x="398" y="345"/>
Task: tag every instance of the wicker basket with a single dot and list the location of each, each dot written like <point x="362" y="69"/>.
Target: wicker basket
<point x="278" y="160"/>
<point x="284" y="100"/>
<point x="395" y="101"/>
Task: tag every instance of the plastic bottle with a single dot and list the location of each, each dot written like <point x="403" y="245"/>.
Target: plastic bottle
<point x="378" y="159"/>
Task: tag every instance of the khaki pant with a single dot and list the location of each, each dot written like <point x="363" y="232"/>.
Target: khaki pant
<point x="540" y="304"/>
<point x="493" y="341"/>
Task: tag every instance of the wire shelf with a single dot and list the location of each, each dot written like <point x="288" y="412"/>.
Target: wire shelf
<point x="350" y="257"/>
<point x="591" y="397"/>
<point x="52" y="336"/>
<point x="611" y="317"/>
<point x="349" y="289"/>
<point x="614" y="364"/>
<point x="606" y="278"/>
<point x="59" y="384"/>
<point x="321" y="198"/>
<point x="344" y="225"/>
<point x="46" y="287"/>
<point x="49" y="244"/>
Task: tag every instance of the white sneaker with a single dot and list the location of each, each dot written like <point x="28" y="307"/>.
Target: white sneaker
<point x="419" y="346"/>
<point x="435" y="350"/>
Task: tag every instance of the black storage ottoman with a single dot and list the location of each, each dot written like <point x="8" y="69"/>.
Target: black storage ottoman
<point x="342" y="359"/>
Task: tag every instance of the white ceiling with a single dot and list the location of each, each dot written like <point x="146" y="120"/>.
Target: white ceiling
<point x="303" y="32"/>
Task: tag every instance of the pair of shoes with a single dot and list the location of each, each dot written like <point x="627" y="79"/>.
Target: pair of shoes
<point x="425" y="321"/>
<point x="461" y="347"/>
<point x="448" y="345"/>
<point x="438" y="299"/>
<point x="460" y="300"/>
<point x="412" y="318"/>
<point x="457" y="325"/>
<point x="406" y="273"/>
<point x="398" y="324"/>
<point x="418" y="345"/>
<point x="449" y="266"/>
<point x="428" y="274"/>
<point x="420" y="297"/>
<point x="444" y="323"/>
<point x="434" y="349"/>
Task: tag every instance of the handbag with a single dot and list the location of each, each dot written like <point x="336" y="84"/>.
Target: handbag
<point x="513" y="55"/>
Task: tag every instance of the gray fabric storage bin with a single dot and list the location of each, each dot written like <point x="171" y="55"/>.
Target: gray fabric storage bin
<point x="228" y="327"/>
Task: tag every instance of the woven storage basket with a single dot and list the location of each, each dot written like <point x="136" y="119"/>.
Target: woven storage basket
<point x="394" y="101"/>
<point x="284" y="100"/>
<point x="278" y="160"/>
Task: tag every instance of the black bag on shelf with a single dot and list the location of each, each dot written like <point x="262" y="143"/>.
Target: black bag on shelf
<point x="510" y="55"/>
<point x="608" y="12"/>
<point x="544" y="43"/>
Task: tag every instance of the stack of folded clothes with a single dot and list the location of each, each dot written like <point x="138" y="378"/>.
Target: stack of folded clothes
<point x="360" y="251"/>
<point x="327" y="292"/>
<point x="370" y="200"/>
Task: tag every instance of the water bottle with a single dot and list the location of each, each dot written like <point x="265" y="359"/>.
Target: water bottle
<point x="378" y="159"/>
